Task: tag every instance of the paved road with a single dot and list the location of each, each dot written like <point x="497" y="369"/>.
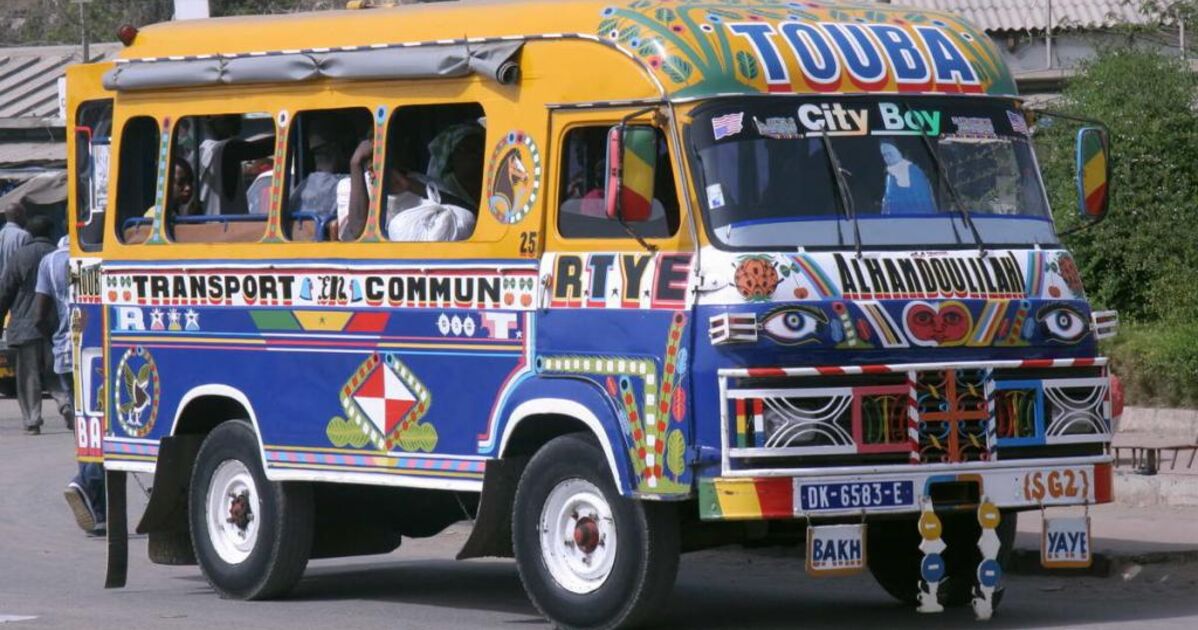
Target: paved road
<point x="50" y="572"/>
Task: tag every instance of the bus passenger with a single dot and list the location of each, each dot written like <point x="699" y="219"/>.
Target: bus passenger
<point x="455" y="163"/>
<point x="318" y="191"/>
<point x="441" y="197"/>
<point x="221" y="157"/>
<point x="181" y="201"/>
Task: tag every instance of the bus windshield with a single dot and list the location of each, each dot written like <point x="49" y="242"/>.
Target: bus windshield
<point x="766" y="179"/>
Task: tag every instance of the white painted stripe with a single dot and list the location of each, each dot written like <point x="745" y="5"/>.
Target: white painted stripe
<point x="9" y="618"/>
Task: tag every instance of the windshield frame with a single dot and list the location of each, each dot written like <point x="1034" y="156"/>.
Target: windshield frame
<point x="844" y="224"/>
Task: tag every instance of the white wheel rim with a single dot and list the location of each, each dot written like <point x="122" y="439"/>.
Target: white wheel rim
<point x="578" y="536"/>
<point x="232" y="512"/>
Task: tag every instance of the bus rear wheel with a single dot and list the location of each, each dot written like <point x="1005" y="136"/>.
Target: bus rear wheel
<point x="587" y="556"/>
<point x="894" y="556"/>
<point x="251" y="537"/>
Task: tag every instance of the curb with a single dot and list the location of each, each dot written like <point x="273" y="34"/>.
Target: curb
<point x="1162" y="489"/>
<point x="1027" y="562"/>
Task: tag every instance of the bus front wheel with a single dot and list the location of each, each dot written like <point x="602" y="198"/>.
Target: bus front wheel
<point x="587" y="556"/>
<point x="251" y="537"/>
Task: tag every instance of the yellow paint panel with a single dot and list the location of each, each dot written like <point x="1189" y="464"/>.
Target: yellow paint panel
<point x="738" y="499"/>
<point x="323" y="320"/>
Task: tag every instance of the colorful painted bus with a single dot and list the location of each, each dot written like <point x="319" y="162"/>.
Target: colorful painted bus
<point x="612" y="279"/>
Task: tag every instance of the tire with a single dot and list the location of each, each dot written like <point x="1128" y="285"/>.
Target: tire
<point x="8" y="387"/>
<point x="632" y="560"/>
<point x="894" y="557"/>
<point x="262" y="554"/>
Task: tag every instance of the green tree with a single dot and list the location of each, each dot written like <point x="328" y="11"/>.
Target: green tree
<point x="1143" y="260"/>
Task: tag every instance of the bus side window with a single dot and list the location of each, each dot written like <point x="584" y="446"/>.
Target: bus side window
<point x="216" y="161"/>
<point x="318" y="184"/>
<point x="582" y="207"/>
<point x="432" y="178"/>
<point x="137" y="178"/>
<point x="93" y="138"/>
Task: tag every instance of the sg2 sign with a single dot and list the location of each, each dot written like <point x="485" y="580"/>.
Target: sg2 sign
<point x="1044" y="486"/>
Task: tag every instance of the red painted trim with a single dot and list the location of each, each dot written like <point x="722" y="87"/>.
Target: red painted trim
<point x="1103" y="482"/>
<point x="776" y="496"/>
<point x="754" y="372"/>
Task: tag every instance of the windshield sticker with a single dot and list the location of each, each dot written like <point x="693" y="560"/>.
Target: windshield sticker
<point x="1018" y="123"/>
<point x="715" y="196"/>
<point x="778" y="128"/>
<point x="728" y="125"/>
<point x="899" y="121"/>
<point x="973" y="126"/>
<point x="833" y="120"/>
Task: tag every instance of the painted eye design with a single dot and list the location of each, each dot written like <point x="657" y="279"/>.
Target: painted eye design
<point x="793" y="325"/>
<point x="1063" y="323"/>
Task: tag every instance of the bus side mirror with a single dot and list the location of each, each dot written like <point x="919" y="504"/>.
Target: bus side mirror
<point x="631" y="172"/>
<point x="1093" y="174"/>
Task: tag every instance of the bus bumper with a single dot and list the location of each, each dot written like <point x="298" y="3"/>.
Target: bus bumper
<point x="1013" y="485"/>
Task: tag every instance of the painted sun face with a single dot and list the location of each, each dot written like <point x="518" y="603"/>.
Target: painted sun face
<point x="944" y="324"/>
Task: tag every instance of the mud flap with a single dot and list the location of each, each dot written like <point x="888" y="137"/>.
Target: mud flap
<point x="932" y="568"/>
<point x="492" y="533"/>
<point x="118" y="530"/>
<point x="989" y="570"/>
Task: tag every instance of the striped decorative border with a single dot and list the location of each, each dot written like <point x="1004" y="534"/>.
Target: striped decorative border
<point x="383" y="464"/>
<point x="890" y="368"/>
<point x="125" y="448"/>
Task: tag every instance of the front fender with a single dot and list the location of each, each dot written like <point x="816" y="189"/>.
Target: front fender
<point x="575" y="398"/>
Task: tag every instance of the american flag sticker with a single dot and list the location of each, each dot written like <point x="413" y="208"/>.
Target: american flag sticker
<point x="728" y="125"/>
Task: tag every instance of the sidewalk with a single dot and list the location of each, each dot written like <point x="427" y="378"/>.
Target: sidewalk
<point x="1176" y="484"/>
<point x="1123" y="536"/>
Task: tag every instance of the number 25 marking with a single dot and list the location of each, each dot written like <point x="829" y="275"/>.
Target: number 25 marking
<point x="528" y="244"/>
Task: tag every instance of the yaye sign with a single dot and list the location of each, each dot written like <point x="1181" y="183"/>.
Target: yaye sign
<point x="1065" y="543"/>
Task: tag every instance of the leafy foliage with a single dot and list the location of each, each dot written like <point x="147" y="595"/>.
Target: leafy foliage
<point x="1158" y="363"/>
<point x="677" y="68"/>
<point x="746" y="64"/>
<point x="1143" y="260"/>
<point x="418" y="437"/>
<point x="676" y="453"/>
<point x="342" y="432"/>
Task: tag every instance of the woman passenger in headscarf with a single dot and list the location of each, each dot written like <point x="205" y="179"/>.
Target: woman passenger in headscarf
<point x="455" y="164"/>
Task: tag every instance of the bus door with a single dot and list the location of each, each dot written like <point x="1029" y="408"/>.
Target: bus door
<point x="618" y="300"/>
<point x="89" y="139"/>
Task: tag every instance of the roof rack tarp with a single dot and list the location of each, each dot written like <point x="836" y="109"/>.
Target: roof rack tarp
<point x="495" y="60"/>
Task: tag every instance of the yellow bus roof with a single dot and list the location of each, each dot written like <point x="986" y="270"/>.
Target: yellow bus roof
<point x="693" y="49"/>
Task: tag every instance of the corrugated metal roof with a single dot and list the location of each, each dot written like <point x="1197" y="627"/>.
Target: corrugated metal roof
<point x="33" y="154"/>
<point x="29" y="77"/>
<point x="1023" y="15"/>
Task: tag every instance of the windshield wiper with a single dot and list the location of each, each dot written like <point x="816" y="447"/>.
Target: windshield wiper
<point x="842" y="187"/>
<point x="948" y="183"/>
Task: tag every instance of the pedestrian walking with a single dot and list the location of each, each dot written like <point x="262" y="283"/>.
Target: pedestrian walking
<point x="34" y="360"/>
<point x="85" y="492"/>
<point x="13" y="234"/>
